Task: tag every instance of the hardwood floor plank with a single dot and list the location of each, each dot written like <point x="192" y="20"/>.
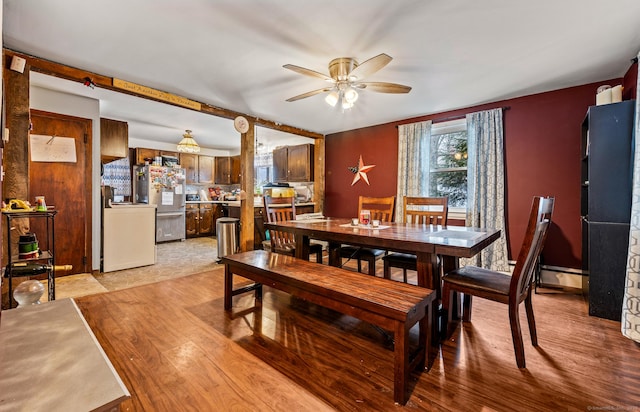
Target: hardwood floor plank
<point x="177" y="349"/>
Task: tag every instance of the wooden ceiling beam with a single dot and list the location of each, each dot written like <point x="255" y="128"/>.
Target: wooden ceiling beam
<point x="79" y="75"/>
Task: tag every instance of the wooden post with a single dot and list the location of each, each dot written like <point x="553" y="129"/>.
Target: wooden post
<point x="247" y="150"/>
<point x="16" y="150"/>
<point x="318" y="173"/>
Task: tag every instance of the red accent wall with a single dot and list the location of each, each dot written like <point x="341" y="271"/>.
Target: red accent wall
<point x="542" y="157"/>
<point x="630" y="83"/>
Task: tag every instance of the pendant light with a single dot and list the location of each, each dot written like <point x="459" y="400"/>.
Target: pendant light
<point x="187" y="144"/>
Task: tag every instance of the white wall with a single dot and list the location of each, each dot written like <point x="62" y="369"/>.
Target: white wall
<point x="78" y="106"/>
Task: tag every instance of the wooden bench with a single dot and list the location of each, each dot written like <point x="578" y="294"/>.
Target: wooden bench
<point x="391" y="305"/>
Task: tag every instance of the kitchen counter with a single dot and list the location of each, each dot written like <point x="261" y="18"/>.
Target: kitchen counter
<point x="195" y="202"/>
<point x="126" y="205"/>
<point x="236" y="203"/>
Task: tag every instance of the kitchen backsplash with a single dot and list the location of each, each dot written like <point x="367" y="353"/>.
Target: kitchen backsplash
<point x="304" y="190"/>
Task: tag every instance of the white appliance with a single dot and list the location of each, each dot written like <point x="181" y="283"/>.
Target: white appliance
<point x="128" y="237"/>
<point x="164" y="187"/>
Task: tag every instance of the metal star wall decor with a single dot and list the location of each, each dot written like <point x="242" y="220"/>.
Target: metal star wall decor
<point x="360" y="171"/>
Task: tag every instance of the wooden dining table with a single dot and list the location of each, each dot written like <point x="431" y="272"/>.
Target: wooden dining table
<point x="425" y="241"/>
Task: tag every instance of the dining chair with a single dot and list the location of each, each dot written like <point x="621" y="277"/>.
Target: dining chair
<point x="418" y="210"/>
<point x="280" y="209"/>
<point x="382" y="209"/>
<point x="501" y="287"/>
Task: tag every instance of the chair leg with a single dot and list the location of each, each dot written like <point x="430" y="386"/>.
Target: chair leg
<point x="404" y="275"/>
<point x="516" y="334"/>
<point x="531" y="320"/>
<point x="387" y="270"/>
<point x="372" y="266"/>
<point x="319" y="256"/>
<point x="359" y="265"/>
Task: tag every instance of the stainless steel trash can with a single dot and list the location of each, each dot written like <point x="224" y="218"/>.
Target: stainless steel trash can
<point x="227" y="236"/>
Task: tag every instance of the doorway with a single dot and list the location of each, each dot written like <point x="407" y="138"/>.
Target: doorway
<point x="66" y="185"/>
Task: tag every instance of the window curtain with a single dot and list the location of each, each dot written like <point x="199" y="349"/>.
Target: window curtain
<point x="485" y="185"/>
<point x="117" y="174"/>
<point x="413" y="162"/>
<point x="630" y="324"/>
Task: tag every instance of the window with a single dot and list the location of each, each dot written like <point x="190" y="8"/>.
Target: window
<point x="448" y="163"/>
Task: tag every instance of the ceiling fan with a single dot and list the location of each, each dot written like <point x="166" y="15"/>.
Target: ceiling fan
<point x="345" y="76"/>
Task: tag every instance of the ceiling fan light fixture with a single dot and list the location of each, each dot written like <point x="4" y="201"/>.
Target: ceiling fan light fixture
<point x="188" y="144"/>
<point x="332" y="98"/>
<point x="351" y="95"/>
<point x="346" y="75"/>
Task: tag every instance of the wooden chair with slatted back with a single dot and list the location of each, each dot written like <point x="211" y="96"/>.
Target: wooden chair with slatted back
<point x="418" y="210"/>
<point x="280" y="209"/>
<point x="382" y="209"/>
<point x="501" y="287"/>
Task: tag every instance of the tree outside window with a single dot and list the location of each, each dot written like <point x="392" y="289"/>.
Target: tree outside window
<point x="448" y="167"/>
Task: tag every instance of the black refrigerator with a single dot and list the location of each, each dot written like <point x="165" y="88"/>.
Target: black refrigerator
<point x="607" y="170"/>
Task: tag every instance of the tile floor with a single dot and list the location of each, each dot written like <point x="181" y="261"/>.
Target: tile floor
<point x="174" y="259"/>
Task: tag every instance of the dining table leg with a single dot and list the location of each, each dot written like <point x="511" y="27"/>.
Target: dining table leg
<point x="334" y="254"/>
<point x="302" y="246"/>
<point x="429" y="277"/>
<point x="451" y="263"/>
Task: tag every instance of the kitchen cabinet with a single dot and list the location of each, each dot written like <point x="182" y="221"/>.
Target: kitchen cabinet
<point x="170" y="153"/>
<point x="189" y="162"/>
<point x="293" y="163"/>
<point x="142" y="154"/>
<point x="198" y="168"/>
<point x="114" y="140"/>
<point x="200" y="219"/>
<point x="205" y="169"/>
<point x="227" y="170"/>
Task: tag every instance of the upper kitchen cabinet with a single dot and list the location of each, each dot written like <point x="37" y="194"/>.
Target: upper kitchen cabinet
<point x="189" y="162"/>
<point x="205" y="169"/>
<point x="143" y="155"/>
<point x="199" y="168"/>
<point x="227" y="170"/>
<point x="293" y="163"/>
<point x="114" y="140"/>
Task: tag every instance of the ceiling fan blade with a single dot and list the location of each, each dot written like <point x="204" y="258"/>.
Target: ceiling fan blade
<point x="370" y="66"/>
<point x="383" y="87"/>
<point x="308" y="72"/>
<point x="308" y="94"/>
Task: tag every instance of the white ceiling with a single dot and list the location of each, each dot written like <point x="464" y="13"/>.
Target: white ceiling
<point x="230" y="53"/>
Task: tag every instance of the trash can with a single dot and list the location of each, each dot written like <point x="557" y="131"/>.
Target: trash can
<point x="227" y="236"/>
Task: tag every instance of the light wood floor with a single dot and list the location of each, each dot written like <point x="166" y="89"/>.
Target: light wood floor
<point x="177" y="349"/>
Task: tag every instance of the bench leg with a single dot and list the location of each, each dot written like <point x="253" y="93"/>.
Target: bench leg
<point x="229" y="293"/>
<point x="401" y="363"/>
<point x="426" y="339"/>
